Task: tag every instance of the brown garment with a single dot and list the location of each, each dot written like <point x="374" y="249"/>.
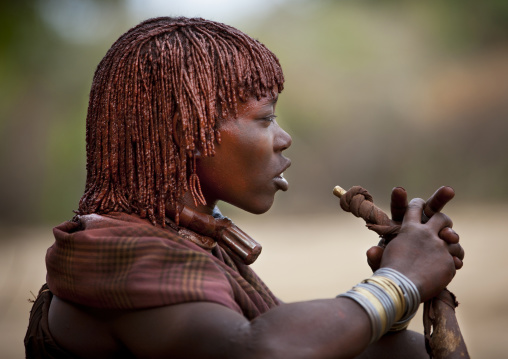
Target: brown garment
<point x="119" y="261"/>
<point x="39" y="343"/>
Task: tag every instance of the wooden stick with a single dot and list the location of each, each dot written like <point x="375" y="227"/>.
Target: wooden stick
<point x="446" y="341"/>
<point x="339" y="191"/>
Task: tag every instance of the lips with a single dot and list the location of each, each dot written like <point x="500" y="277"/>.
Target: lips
<point x="280" y="181"/>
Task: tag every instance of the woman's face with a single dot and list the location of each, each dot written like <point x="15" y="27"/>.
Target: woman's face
<point x="247" y="168"/>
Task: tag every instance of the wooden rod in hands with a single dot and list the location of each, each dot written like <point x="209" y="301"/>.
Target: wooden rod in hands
<point x="360" y="203"/>
<point x="445" y="341"/>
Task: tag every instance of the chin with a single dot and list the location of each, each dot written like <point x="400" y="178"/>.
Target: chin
<point x="259" y="207"/>
<point x="260" y="211"/>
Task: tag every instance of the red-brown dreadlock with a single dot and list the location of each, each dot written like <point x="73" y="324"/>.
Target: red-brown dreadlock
<point x="156" y="99"/>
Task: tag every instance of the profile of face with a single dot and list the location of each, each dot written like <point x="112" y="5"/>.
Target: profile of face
<point x="247" y="168"/>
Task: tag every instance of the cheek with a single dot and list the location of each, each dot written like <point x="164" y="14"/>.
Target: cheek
<point x="255" y="150"/>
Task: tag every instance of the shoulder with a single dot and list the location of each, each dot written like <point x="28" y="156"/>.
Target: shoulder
<point x="120" y="261"/>
<point x="187" y="330"/>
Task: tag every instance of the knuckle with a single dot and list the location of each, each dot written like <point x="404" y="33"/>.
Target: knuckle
<point x="444" y="219"/>
<point x="416" y="202"/>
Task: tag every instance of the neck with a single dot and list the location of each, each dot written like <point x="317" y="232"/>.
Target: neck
<point x="229" y="236"/>
<point x="188" y="201"/>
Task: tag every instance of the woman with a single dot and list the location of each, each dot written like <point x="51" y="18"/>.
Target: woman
<point x="181" y="116"/>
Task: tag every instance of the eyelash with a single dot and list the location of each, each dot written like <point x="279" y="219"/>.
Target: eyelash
<point x="270" y="118"/>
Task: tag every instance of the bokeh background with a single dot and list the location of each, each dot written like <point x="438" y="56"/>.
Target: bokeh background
<point x="378" y="93"/>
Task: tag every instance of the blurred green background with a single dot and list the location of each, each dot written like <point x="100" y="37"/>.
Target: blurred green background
<point x="379" y="93"/>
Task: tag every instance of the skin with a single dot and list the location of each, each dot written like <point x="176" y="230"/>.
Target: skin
<point x="433" y="205"/>
<point x="252" y="145"/>
<point x="244" y="173"/>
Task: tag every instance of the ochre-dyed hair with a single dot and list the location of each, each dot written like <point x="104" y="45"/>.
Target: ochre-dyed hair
<point x="156" y="99"/>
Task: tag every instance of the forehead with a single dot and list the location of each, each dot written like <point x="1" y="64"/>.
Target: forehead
<point x="253" y="105"/>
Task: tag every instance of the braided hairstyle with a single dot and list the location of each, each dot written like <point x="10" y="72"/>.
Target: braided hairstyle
<point x="156" y="99"/>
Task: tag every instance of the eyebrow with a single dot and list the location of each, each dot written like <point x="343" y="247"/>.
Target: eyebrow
<point x="271" y="100"/>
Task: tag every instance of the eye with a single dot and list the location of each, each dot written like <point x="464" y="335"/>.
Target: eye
<point x="270" y="118"/>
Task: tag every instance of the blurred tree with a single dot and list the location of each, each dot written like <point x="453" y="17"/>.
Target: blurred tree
<point x="27" y="45"/>
<point x="45" y="79"/>
<point x="461" y="24"/>
<point x="391" y="93"/>
<point x="378" y="93"/>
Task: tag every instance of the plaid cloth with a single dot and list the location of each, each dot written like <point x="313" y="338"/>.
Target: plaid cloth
<point x="119" y="261"/>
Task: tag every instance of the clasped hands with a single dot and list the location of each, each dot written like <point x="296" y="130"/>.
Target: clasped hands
<point x="432" y="207"/>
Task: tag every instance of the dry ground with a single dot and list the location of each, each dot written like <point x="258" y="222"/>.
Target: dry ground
<point x="306" y="258"/>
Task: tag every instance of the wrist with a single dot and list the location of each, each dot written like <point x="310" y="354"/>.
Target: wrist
<point x="389" y="298"/>
<point x="410" y="291"/>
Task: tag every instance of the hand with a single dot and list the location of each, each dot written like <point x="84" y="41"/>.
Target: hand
<point x="419" y="252"/>
<point x="434" y="205"/>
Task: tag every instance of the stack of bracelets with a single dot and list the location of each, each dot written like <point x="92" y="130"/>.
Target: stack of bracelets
<point x="389" y="298"/>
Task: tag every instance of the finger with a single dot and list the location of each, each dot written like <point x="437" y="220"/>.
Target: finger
<point x="374" y="256"/>
<point x="456" y="250"/>
<point x="448" y="235"/>
<point x="458" y="263"/>
<point x="414" y="210"/>
<point x="438" y="200"/>
<point x="398" y="204"/>
<point x="442" y="220"/>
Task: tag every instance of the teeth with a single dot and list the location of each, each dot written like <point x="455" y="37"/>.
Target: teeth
<point x="282" y="175"/>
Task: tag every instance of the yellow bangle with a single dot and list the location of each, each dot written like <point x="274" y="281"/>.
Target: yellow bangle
<point x="393" y="290"/>
<point x="377" y="305"/>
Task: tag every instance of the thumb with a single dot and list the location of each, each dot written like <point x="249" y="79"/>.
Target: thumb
<point x="374" y="256"/>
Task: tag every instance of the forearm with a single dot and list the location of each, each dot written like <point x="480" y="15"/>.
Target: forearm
<point x="387" y="299"/>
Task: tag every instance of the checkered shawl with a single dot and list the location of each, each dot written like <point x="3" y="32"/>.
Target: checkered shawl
<point x="119" y="261"/>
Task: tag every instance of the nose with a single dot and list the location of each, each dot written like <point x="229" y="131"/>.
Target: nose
<point x="282" y="140"/>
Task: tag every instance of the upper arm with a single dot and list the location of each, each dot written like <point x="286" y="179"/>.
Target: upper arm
<point x="189" y="330"/>
<point x="326" y="328"/>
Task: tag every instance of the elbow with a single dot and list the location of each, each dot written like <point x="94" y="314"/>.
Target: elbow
<point x="255" y="340"/>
